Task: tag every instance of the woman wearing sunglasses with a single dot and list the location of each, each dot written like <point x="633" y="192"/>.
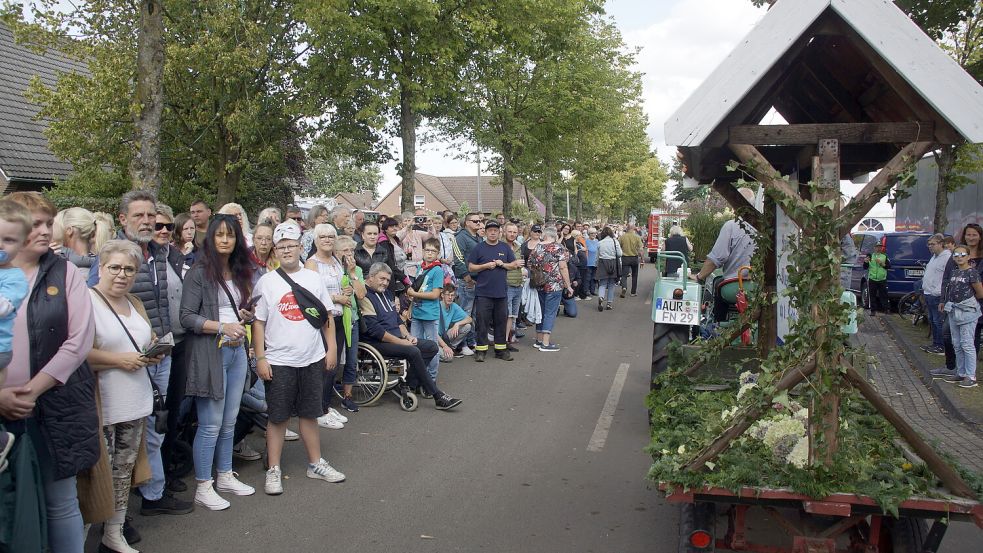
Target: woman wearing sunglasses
<point x="960" y="301"/>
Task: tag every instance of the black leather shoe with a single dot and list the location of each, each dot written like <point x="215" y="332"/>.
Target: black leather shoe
<point x="130" y="533"/>
<point x="479" y="356"/>
<point x="166" y="505"/>
<point x="176" y="485"/>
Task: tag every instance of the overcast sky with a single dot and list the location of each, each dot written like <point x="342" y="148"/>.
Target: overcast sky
<point x="681" y="42"/>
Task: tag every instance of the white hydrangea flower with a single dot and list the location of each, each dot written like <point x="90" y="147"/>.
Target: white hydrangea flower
<point x="783" y="427"/>
<point x="745" y="388"/>
<point x="799" y="455"/>
<point x="682" y="449"/>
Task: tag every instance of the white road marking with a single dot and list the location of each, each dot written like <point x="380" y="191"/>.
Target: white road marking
<point x="600" y="434"/>
<point x="648" y="299"/>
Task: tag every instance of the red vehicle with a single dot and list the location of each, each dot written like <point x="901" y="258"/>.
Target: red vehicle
<point x="658" y="227"/>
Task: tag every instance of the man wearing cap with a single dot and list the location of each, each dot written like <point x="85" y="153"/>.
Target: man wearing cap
<point x="490" y="262"/>
<point x="292" y="356"/>
<point x="732" y="250"/>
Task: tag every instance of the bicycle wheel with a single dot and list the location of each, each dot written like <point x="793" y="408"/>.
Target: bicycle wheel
<point x="910" y="307"/>
<point x="370" y="376"/>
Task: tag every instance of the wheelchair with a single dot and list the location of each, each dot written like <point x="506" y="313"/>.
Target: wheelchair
<point x="375" y="375"/>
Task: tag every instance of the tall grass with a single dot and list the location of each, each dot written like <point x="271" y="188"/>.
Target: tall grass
<point x="702" y="229"/>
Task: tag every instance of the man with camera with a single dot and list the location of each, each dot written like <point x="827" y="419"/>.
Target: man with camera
<point x="411" y="239"/>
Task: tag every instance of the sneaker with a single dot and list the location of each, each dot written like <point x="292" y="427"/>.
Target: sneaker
<point x="967" y="382"/>
<point x="458" y="353"/>
<point x="588" y="298"/>
<point x="274" y="484"/>
<point x="610" y="306"/>
<point x="466" y="351"/>
<point x="327" y="421"/>
<point x="338" y="416"/>
<point x="521" y="325"/>
<point x="550" y="347"/>
<point x="633" y="294"/>
<point x="243" y="451"/>
<point x="349" y="405"/>
<point x="538" y="344"/>
<point x="207" y="497"/>
<point x="227" y="482"/>
<point x="446" y="403"/>
<point x="291" y="436"/>
<point x="166" y="505"/>
<point x="942" y="373"/>
<point x="937" y="350"/>
<point x="519" y="335"/>
<point x="510" y="347"/>
<point x="953" y="378"/>
<point x="323" y="471"/>
<point x="423" y="393"/>
<point x="576" y="299"/>
<point x="504" y="355"/>
<point x="925" y="347"/>
<point x="479" y="356"/>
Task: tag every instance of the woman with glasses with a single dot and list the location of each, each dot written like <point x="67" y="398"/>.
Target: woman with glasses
<point x="214" y="307"/>
<point x="123" y="333"/>
<point x="262" y="254"/>
<point x="353" y="285"/>
<point x="318" y="215"/>
<point x="324" y="263"/>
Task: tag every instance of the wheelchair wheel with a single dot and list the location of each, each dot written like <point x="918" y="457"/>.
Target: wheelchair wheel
<point x="370" y="377"/>
<point x="408" y="401"/>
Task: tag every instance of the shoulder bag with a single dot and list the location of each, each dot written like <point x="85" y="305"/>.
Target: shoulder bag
<point x="311" y="307"/>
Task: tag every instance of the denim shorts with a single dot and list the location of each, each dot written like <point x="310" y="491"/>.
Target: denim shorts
<point x="514" y="301"/>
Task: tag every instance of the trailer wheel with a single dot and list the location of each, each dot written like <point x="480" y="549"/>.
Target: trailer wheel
<point x="662" y="336"/>
<point x="697" y="522"/>
<point x="907" y="534"/>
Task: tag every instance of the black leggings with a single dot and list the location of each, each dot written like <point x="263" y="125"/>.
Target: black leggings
<point x="417" y="357"/>
<point x="629" y="264"/>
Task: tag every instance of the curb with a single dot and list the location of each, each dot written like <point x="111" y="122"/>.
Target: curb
<point x="924" y="372"/>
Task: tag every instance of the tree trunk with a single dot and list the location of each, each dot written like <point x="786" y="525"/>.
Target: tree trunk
<point x="507" y="177"/>
<point x="580" y="201"/>
<point x="226" y="180"/>
<point x="548" y="194"/>
<point x="407" y="133"/>
<point x="148" y="99"/>
<point x="945" y="158"/>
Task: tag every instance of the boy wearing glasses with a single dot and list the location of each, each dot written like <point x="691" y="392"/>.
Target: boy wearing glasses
<point x="425" y="294"/>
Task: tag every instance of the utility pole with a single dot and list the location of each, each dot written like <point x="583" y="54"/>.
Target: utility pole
<point x="568" y="204"/>
<point x="478" y="180"/>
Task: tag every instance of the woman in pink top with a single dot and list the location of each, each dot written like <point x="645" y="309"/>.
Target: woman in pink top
<point x="53" y="333"/>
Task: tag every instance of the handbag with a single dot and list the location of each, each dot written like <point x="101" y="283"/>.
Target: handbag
<point x="159" y="411"/>
<point x="310" y="306"/>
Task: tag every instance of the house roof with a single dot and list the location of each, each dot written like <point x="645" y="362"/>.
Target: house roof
<point x="24" y="153"/>
<point x="831" y="61"/>
<point x="454" y="191"/>
<point x="358" y="200"/>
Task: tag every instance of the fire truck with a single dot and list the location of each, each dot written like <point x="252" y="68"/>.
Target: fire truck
<point x="658" y="228"/>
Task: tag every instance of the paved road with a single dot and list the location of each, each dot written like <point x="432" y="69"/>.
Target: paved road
<point x="509" y="471"/>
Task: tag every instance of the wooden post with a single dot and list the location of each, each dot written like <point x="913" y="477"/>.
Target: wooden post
<point x="768" y="322"/>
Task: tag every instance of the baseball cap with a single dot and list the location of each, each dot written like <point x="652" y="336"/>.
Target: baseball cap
<point x="286" y="231"/>
<point x="492" y="223"/>
<point x="537" y="228"/>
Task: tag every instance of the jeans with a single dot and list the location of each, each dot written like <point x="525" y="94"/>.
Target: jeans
<point x="877" y="292"/>
<point x="351" y="357"/>
<point x="962" y="343"/>
<point x="427" y="330"/>
<point x="417" y="357"/>
<point x="570" y="308"/>
<point x="65" y="528"/>
<point x="255" y="398"/>
<point x="217" y="418"/>
<point x="606" y="289"/>
<point x="550" y="303"/>
<point x="935" y="319"/>
<point x="514" y="300"/>
<point x="590" y="281"/>
<point x="629" y="264"/>
<point x="465" y="298"/>
<point x="153" y="490"/>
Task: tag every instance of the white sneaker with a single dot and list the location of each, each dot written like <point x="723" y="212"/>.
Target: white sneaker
<point x="327" y="421"/>
<point x="227" y="482"/>
<point x="206" y="496"/>
<point x="291" y="436"/>
<point x="467" y="351"/>
<point x="338" y="416"/>
<point x="323" y="471"/>
<point x="274" y="485"/>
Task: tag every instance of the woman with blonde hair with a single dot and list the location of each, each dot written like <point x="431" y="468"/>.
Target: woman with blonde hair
<point x="77" y="234"/>
<point x="239" y="213"/>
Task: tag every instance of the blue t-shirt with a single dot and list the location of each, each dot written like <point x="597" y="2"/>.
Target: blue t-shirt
<point x="451" y="315"/>
<point x="426" y="310"/>
<point x="591" y="253"/>
<point x="491" y="283"/>
<point x="13" y="286"/>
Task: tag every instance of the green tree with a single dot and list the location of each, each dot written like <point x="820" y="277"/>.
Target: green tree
<point x="332" y="174"/>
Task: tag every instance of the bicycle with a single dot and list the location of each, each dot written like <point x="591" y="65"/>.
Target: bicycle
<point x="912" y="305"/>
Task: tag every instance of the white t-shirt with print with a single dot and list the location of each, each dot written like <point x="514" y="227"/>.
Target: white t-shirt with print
<point x="126" y="396"/>
<point x="291" y="341"/>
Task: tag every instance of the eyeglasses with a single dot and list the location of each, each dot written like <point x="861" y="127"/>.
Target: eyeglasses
<point x="162" y="226"/>
<point x="430" y="250"/>
<point x="263" y="239"/>
<point x="115" y="269"/>
<point x="960" y="255"/>
<point x="287" y="248"/>
<point x="475" y="221"/>
<point x="331" y="236"/>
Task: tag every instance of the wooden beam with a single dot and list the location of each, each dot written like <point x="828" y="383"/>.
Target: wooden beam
<point x="741" y="206"/>
<point x="880" y="185"/>
<point x="846" y="133"/>
<point x="762" y="171"/>
<point x="949" y="477"/>
<point x="749" y="417"/>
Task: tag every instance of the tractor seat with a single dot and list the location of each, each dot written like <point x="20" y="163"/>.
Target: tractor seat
<point x="728" y="289"/>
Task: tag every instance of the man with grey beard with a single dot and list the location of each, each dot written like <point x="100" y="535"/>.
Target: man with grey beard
<point x="138" y="215"/>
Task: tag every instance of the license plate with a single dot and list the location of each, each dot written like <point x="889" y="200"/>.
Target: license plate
<point x="677" y="312"/>
<point x="914" y="273"/>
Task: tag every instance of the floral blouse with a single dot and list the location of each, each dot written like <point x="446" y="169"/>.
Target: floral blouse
<point x="549" y="258"/>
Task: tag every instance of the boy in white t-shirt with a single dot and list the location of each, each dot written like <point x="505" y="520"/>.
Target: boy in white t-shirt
<point x="291" y="356"/>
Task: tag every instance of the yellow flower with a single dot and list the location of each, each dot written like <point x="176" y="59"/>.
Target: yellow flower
<point x="906" y="466"/>
<point x="681" y="450"/>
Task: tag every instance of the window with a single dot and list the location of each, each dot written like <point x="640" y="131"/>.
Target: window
<point x="419" y="200"/>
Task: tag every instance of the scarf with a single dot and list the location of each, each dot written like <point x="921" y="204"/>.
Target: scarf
<point x="426" y="265"/>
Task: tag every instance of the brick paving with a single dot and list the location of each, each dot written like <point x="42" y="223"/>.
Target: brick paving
<point x="898" y="382"/>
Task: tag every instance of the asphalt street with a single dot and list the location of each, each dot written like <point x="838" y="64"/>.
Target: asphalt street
<point x="545" y="454"/>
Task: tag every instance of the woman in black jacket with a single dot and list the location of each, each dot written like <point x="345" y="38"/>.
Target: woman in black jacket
<point x="372" y="251"/>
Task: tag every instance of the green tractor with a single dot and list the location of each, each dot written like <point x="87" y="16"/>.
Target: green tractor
<point x="676" y="310"/>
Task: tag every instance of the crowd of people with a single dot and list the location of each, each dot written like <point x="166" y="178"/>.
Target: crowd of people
<point x="112" y="339"/>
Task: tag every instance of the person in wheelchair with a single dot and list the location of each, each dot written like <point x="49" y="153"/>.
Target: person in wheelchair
<point x="732" y="250"/>
<point x="386" y="333"/>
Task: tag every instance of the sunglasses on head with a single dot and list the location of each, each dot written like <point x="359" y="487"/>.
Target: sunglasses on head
<point x="162" y="226"/>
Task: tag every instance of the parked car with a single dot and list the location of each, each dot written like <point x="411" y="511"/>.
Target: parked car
<point x="908" y="253"/>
